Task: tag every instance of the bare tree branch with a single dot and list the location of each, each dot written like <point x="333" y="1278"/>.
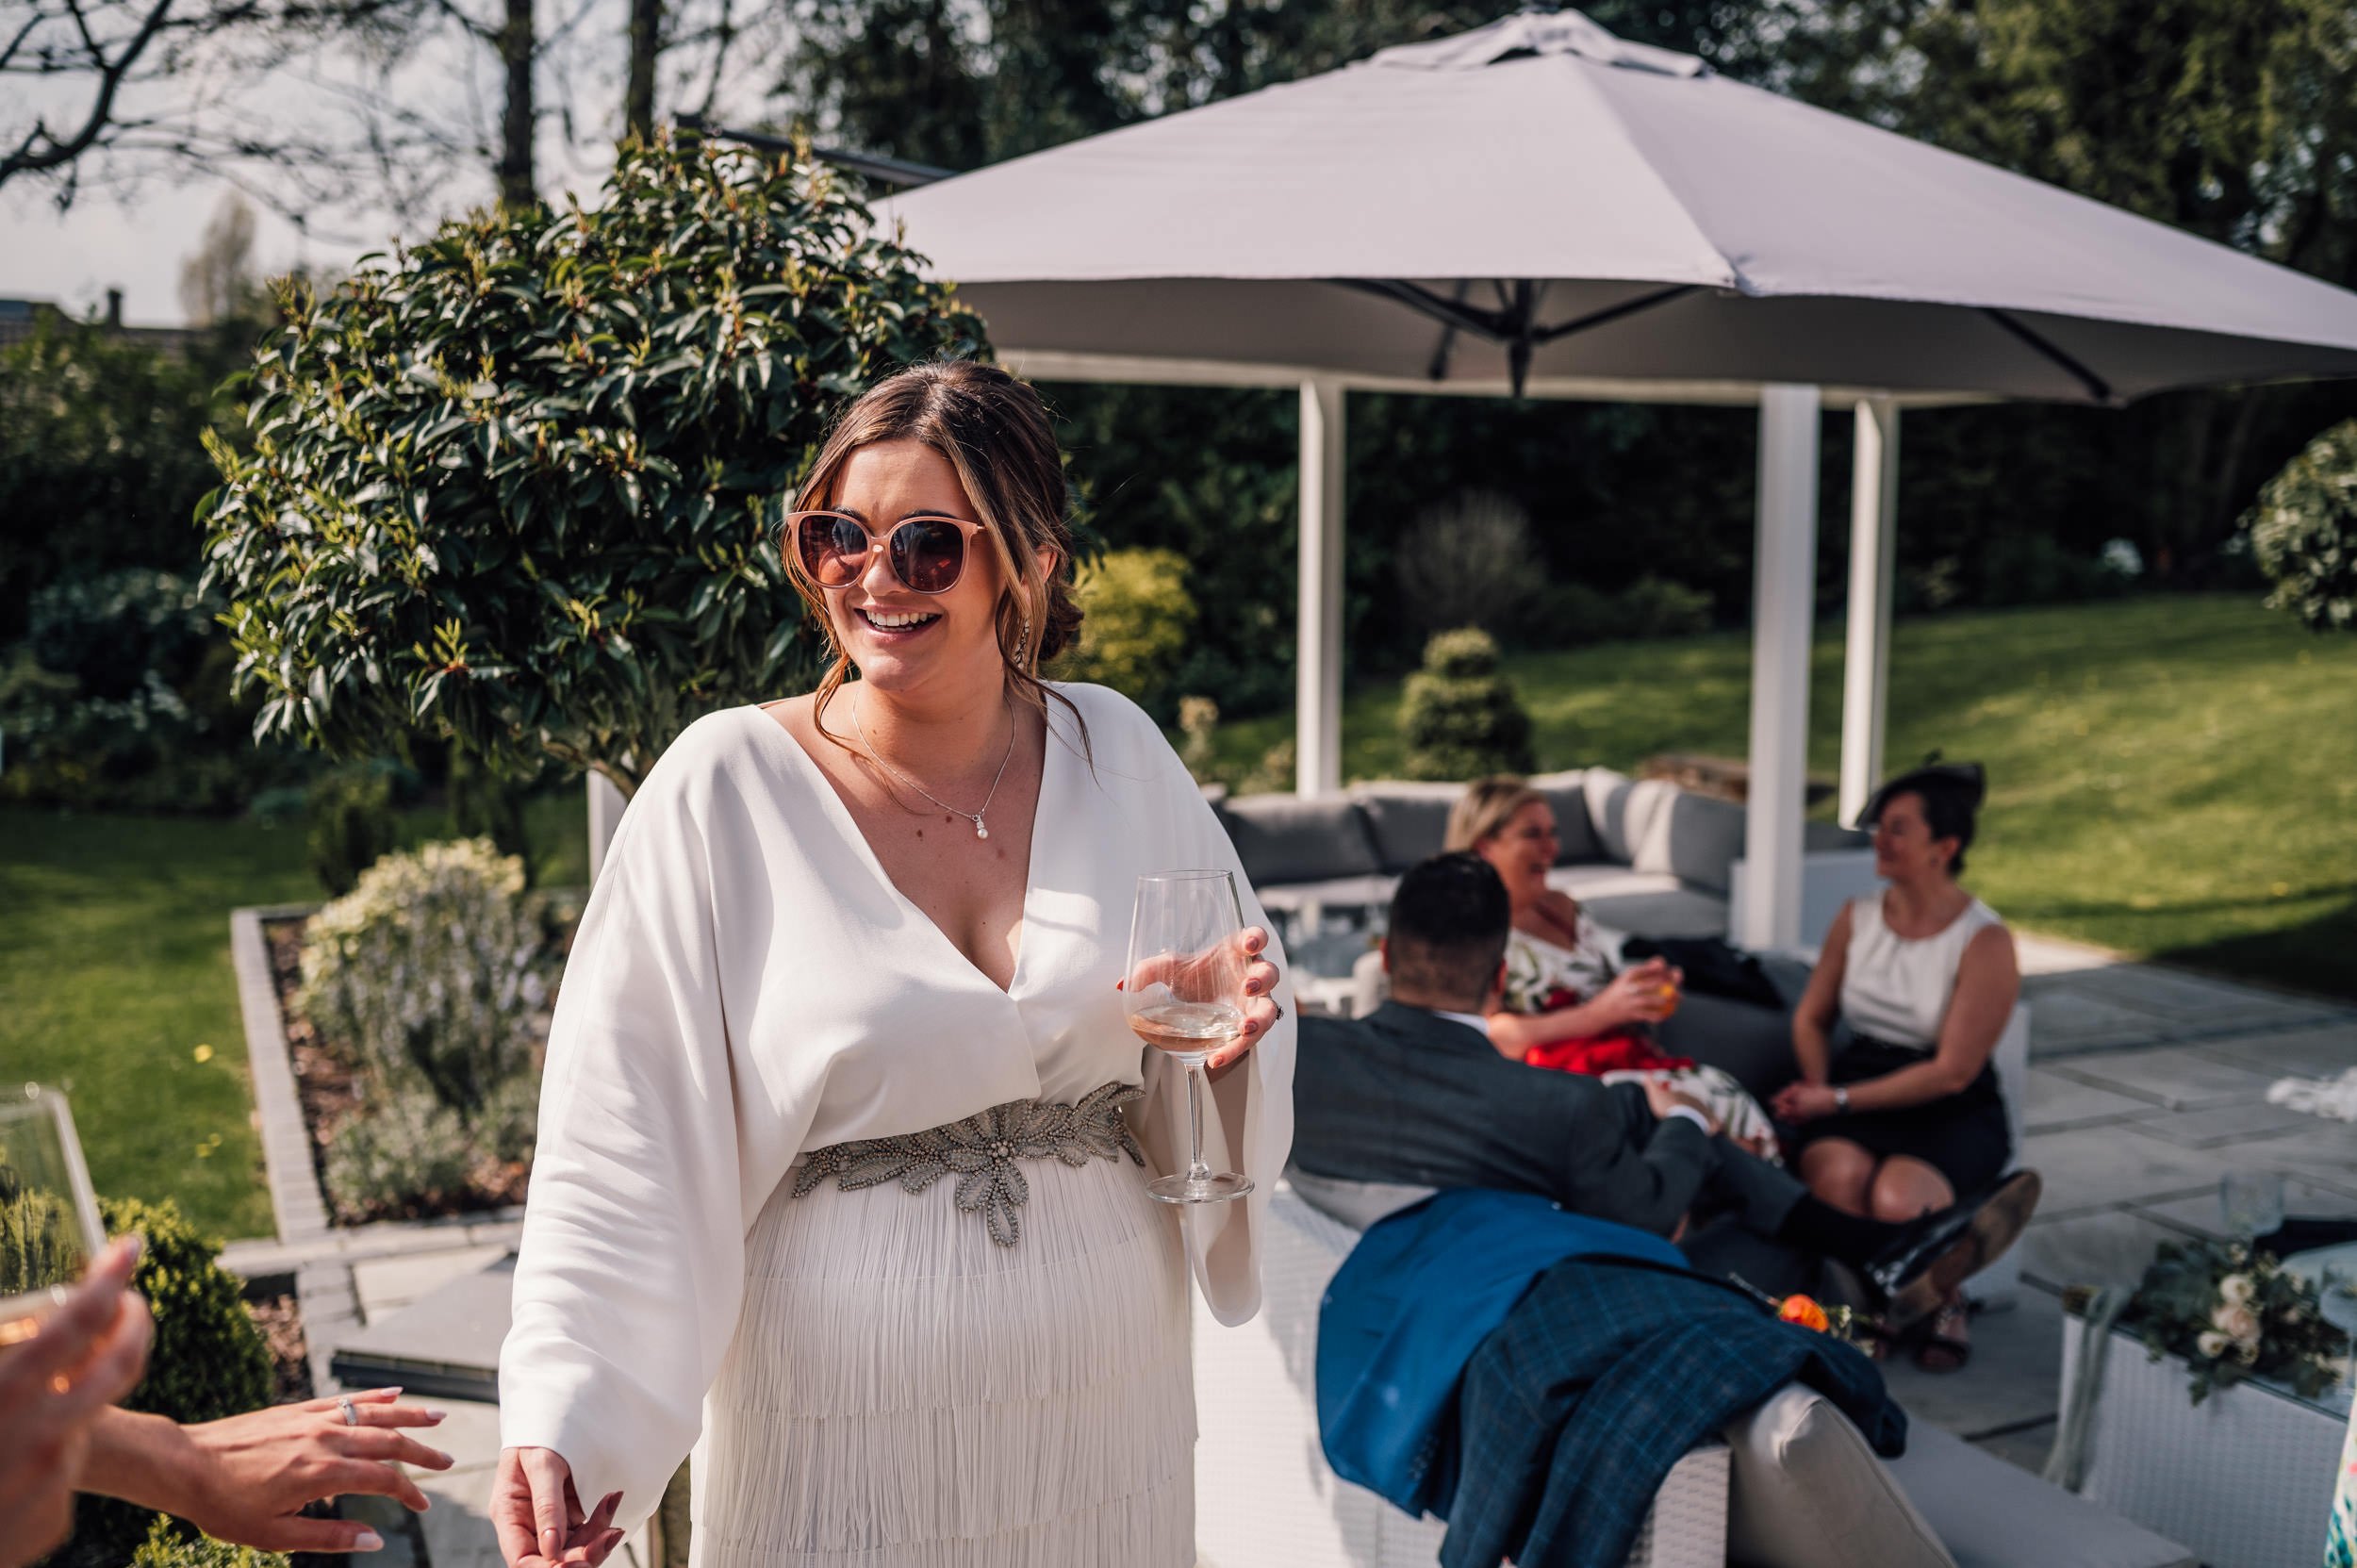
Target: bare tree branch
<point x="42" y="150"/>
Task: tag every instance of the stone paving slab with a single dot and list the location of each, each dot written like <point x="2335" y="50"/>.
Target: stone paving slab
<point x="384" y="1285"/>
<point x="2017" y="1356"/>
<point x="2052" y="1103"/>
<point x="2237" y="1127"/>
<point x="2199" y="1214"/>
<point x="2102" y="1167"/>
<point x="2326" y="1052"/>
<point x="2107" y="1247"/>
<point x="2172" y="1077"/>
<point x="2063" y="1023"/>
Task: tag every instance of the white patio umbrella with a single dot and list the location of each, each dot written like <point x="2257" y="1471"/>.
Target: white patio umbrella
<point x="1539" y="206"/>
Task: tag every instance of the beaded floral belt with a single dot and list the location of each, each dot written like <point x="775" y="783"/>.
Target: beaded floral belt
<point x="982" y="1151"/>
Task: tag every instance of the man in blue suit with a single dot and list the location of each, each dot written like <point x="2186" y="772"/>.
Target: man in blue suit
<point x="1415" y="1094"/>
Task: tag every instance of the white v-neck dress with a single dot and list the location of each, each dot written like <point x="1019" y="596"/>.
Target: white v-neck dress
<point x="867" y="1375"/>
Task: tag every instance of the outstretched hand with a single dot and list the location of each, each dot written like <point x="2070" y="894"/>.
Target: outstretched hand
<point x="538" y="1517"/>
<point x="258" y="1471"/>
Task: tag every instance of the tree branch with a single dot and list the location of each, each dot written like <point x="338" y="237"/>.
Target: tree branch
<point x="31" y="156"/>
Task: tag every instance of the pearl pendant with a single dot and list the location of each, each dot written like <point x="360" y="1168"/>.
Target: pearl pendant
<point x="980" y="832"/>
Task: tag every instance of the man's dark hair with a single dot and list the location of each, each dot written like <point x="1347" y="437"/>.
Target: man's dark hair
<point x="1449" y="924"/>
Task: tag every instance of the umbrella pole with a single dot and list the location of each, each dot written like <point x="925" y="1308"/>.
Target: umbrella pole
<point x="1873" y="544"/>
<point x="1767" y="899"/>
<point x="1318" y="581"/>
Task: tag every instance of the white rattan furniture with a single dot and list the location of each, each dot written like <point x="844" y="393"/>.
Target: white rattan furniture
<point x="2245" y="1479"/>
<point x="1264" y="1496"/>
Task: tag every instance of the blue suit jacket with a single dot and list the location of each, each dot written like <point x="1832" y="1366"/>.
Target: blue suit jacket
<point x="1408" y="1309"/>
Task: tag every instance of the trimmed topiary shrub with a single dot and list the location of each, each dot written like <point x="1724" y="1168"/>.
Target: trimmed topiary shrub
<point x="1459" y="716"/>
<point x="1139" y="618"/>
<point x="2303" y="531"/>
<point x="519" y="486"/>
<point x="430" y="970"/>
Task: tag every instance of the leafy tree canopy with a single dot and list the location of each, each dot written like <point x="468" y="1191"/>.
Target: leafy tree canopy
<point x="519" y="484"/>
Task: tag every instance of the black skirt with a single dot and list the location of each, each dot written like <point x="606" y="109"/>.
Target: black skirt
<point x="1963" y="1136"/>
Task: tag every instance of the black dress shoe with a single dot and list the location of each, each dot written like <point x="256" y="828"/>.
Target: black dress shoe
<point x="1940" y="1251"/>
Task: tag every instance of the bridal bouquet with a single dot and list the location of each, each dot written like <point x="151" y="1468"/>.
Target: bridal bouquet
<point x="2231" y="1313"/>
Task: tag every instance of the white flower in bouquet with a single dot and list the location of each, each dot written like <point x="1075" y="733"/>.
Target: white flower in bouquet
<point x="2236" y="1290"/>
<point x="2212" y="1344"/>
<point x="2239" y="1323"/>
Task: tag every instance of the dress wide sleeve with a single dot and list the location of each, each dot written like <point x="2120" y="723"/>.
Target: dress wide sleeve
<point x="630" y="1275"/>
<point x="1249" y="1114"/>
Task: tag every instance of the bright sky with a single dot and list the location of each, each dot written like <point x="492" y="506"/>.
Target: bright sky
<point x="135" y="239"/>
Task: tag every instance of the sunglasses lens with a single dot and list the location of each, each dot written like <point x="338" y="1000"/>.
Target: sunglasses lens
<point x="928" y="553"/>
<point x="833" y="547"/>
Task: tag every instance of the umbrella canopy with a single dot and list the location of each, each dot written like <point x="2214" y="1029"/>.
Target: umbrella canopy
<point x="1539" y="198"/>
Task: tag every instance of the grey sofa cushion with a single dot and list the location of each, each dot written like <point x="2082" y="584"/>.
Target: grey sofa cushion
<point x="1696" y="838"/>
<point x="1992" y="1515"/>
<point x="1294" y="838"/>
<point x="1649" y="904"/>
<point x="1409" y="821"/>
<point x="1567" y="793"/>
<point x="1622" y="809"/>
<point x="1806" y="1492"/>
<point x="1357" y="1204"/>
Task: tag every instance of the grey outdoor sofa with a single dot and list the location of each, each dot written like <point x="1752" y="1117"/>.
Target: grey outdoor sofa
<point x="1643" y="856"/>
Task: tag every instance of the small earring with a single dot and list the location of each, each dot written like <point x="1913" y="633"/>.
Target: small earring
<point x="1023" y="649"/>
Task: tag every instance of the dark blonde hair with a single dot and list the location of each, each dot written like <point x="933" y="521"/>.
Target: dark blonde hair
<point x="1484" y="808"/>
<point x="994" y="432"/>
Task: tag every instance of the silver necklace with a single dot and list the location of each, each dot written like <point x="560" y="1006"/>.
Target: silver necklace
<point x="973" y="816"/>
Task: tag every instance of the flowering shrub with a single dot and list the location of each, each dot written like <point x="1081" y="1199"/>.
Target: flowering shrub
<point x="431" y="968"/>
<point x="2229" y="1313"/>
<point x="409" y="1152"/>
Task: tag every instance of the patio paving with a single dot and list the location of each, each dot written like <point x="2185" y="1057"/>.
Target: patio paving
<point x="2147" y="1084"/>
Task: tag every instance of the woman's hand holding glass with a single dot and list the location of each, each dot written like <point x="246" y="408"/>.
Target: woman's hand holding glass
<point x="55" y="1384"/>
<point x="1196" y="989"/>
<point x="1643" y="995"/>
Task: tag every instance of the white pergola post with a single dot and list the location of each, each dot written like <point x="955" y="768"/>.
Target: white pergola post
<point x="1318" y="652"/>
<point x="1767" y="913"/>
<point x="1873" y="544"/>
<point x="606" y="815"/>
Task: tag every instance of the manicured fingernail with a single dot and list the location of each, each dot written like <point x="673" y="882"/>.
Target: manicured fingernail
<point x="388" y="1392"/>
<point x="549" y="1542"/>
<point x="368" y="1540"/>
<point x="436" y="1416"/>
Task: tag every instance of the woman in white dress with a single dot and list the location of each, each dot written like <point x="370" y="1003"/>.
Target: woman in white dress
<point x="836" y="1179"/>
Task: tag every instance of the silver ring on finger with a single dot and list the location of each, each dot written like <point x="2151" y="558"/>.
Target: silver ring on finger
<point x="352" y="1415"/>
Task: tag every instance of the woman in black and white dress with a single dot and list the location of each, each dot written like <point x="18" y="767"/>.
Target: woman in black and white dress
<point x="1908" y="1117"/>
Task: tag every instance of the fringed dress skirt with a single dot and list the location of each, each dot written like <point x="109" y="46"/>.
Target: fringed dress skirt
<point x="965" y="1348"/>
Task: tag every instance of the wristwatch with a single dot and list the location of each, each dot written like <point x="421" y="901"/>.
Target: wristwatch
<point x="1841" y="1099"/>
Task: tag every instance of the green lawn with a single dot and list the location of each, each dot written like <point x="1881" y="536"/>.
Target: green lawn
<point x="115" y="977"/>
<point x="2170" y="777"/>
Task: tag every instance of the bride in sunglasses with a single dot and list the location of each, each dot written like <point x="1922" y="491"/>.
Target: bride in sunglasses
<point x="844" y="1140"/>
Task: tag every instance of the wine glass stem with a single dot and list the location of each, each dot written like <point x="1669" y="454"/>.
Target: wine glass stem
<point x="1197" y="1169"/>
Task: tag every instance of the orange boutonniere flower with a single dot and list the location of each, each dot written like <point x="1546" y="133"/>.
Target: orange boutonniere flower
<point x="1804" y="1311"/>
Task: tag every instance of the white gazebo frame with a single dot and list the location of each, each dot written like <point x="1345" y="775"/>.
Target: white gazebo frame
<point x="1767" y="914"/>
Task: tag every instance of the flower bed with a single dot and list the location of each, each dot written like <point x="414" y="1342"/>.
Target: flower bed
<point x="340" y="1091"/>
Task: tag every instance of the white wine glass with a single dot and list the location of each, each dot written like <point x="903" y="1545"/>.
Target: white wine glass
<point x="1185" y="997"/>
<point x="2252" y="1203"/>
<point x="49" y="1228"/>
